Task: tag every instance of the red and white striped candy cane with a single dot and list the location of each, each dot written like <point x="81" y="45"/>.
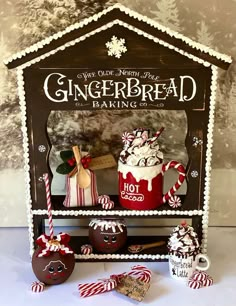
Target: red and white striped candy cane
<point x="180" y="168"/>
<point x="49" y="205"/>
<point x="89" y="289"/>
<point x="140" y="272"/>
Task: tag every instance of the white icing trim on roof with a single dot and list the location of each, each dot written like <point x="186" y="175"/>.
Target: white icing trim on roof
<point x="105" y="27"/>
<point x="188" y="41"/>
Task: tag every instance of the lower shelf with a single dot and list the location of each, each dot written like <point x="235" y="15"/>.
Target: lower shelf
<point x="159" y="253"/>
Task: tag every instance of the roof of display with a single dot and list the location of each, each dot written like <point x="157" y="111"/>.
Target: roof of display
<point x="120" y="13"/>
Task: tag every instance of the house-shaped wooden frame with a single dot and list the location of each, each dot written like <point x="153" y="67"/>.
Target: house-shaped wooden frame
<point x="118" y="59"/>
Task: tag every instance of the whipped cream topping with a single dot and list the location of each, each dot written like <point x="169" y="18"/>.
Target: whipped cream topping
<point x="183" y="240"/>
<point x="140" y="150"/>
<point x="115" y="225"/>
<point x="140" y="173"/>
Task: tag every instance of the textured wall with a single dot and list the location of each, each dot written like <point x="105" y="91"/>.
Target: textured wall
<point x="209" y="22"/>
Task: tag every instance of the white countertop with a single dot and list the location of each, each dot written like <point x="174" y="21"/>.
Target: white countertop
<point x="17" y="277"/>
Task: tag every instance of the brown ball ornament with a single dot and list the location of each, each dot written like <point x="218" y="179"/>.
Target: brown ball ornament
<point x="54" y="267"/>
<point x="107" y="235"/>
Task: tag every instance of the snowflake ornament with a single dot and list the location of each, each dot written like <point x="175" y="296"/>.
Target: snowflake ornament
<point x="116" y="47"/>
<point x="197" y="141"/>
<point x="194" y="174"/>
<point x="41" y="148"/>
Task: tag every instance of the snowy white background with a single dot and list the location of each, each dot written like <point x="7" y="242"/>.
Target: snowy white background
<point x="23" y="22"/>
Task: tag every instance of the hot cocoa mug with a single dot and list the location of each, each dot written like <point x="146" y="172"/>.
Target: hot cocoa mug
<point x="141" y="188"/>
<point x="182" y="268"/>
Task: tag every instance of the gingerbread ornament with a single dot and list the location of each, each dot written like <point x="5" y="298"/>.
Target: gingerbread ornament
<point x="107" y="235"/>
<point x="53" y="261"/>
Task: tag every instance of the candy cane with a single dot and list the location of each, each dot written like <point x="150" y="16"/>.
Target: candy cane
<point x="49" y="205"/>
<point x="158" y="133"/>
<point x="181" y="170"/>
<point x="89" y="289"/>
<point x="140" y="272"/>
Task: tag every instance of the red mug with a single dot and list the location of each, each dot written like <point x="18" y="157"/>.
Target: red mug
<point x="141" y="188"/>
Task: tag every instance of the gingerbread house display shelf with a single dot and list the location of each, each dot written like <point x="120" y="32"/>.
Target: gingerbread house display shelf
<point x="118" y="60"/>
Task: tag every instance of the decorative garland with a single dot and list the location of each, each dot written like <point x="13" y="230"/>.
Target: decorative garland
<point x="123" y="213"/>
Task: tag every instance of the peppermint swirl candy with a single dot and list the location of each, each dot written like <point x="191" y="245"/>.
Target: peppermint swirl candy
<point x="103" y="199"/>
<point x="86" y="249"/>
<point x="108" y="205"/>
<point x="200" y="279"/>
<point x="127" y="138"/>
<point x="174" y="202"/>
<point x="37" y="287"/>
<point x="194" y="284"/>
<point x="199" y="275"/>
<point x="207" y="282"/>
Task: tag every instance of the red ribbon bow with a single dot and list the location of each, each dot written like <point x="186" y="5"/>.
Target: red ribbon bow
<point x="84" y="161"/>
<point x="88" y="289"/>
<point x="59" y="244"/>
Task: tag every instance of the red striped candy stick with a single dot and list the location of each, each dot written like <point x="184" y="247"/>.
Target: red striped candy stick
<point x="49" y="205"/>
<point x="158" y="133"/>
<point x="180" y="168"/>
<point x="89" y="289"/>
